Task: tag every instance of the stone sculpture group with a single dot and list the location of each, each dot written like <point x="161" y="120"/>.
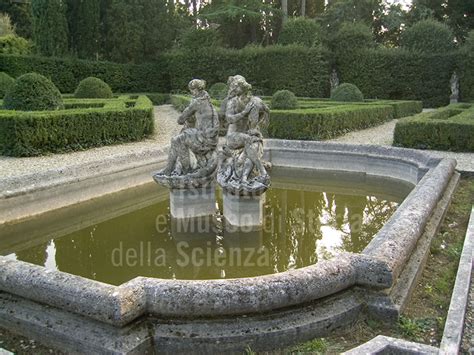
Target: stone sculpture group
<point x="195" y="159"/>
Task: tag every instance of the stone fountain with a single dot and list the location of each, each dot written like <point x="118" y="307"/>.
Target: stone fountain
<point x="193" y="161"/>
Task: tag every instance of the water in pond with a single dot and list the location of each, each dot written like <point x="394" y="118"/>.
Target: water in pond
<point x="308" y="216"/>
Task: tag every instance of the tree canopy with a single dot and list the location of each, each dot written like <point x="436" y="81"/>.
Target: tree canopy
<point x="139" y="30"/>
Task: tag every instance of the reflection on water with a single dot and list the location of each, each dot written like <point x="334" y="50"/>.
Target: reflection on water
<point x="300" y="228"/>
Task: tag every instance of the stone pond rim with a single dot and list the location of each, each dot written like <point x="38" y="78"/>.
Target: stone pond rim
<point x="378" y="267"/>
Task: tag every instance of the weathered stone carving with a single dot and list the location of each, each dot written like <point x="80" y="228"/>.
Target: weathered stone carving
<point x="193" y="159"/>
<point x="334" y="80"/>
<point x="242" y="170"/>
<point x="454" y="82"/>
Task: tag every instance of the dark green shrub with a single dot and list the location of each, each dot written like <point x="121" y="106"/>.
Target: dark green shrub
<point x="284" y="99"/>
<point x="401" y="108"/>
<point x="468" y="46"/>
<point x="33" y="92"/>
<point x="301" y="31"/>
<point x="351" y="37"/>
<point x="399" y="74"/>
<point x="326" y="123"/>
<point x="6" y="81"/>
<point x="34" y="133"/>
<point x="11" y="44"/>
<point x="93" y="88"/>
<point x="347" y="92"/>
<point x="428" y="36"/>
<point x="305" y="71"/>
<point x="158" y="99"/>
<point x="450" y="128"/>
<point x="218" y="91"/>
<point x="197" y="38"/>
<point x="66" y="73"/>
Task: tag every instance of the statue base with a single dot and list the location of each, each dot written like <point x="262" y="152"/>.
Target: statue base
<point x="453" y="101"/>
<point x="191" y="203"/>
<point x="243" y="210"/>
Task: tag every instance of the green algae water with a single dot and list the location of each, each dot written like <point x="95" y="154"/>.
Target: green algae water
<point x="308" y="216"/>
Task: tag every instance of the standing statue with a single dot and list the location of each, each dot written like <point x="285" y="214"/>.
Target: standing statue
<point x="192" y="159"/>
<point x="454" y="82"/>
<point x="334" y="80"/>
<point x="242" y="170"/>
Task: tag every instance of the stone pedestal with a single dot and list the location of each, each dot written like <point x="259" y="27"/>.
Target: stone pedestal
<point x="190" y="203"/>
<point x="453" y="101"/>
<point x="243" y="211"/>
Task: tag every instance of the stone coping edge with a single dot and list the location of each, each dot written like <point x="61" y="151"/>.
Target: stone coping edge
<point x="453" y="329"/>
<point x="382" y="344"/>
<point x="376" y="268"/>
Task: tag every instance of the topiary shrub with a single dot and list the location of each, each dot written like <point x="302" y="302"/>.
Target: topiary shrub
<point x="218" y="91"/>
<point x="428" y="36"/>
<point x="93" y="88"/>
<point x="302" y="31"/>
<point x="6" y="81"/>
<point x="284" y="99"/>
<point x="33" y="92"/>
<point x="347" y="92"/>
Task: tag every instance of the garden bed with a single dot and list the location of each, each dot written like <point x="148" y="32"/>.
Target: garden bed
<point x="317" y="119"/>
<point x="448" y="128"/>
<point x="84" y="123"/>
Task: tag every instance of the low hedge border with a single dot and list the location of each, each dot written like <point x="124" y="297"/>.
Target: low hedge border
<point x="318" y="119"/>
<point x="326" y="123"/>
<point x="448" y="128"/>
<point x="87" y="123"/>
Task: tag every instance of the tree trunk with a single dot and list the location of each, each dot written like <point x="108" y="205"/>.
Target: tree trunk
<point x="303" y="8"/>
<point x="284" y="8"/>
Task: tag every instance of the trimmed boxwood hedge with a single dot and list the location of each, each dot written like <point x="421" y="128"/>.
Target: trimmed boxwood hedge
<point x="399" y="74"/>
<point x="34" y="133"/>
<point x="326" y="123"/>
<point x="66" y="73"/>
<point x="324" y="119"/>
<point x="394" y="74"/>
<point x="303" y="70"/>
<point x="448" y="128"/>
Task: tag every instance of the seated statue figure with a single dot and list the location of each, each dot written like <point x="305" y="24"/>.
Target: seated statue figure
<point x="242" y="170"/>
<point x="192" y="159"/>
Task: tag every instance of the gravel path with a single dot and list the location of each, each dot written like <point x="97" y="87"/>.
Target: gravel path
<point x="379" y="135"/>
<point x="165" y="128"/>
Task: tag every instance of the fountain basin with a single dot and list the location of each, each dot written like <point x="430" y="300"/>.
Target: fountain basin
<point x="191" y="307"/>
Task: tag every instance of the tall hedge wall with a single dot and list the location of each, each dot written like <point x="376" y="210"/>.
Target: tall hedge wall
<point x="67" y="73"/>
<point x="466" y="65"/>
<point x="305" y="71"/>
<point x="398" y="74"/>
<point x="380" y="73"/>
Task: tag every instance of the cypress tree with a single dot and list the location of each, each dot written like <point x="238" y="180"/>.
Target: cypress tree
<point x="50" y="30"/>
<point x="84" y="27"/>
